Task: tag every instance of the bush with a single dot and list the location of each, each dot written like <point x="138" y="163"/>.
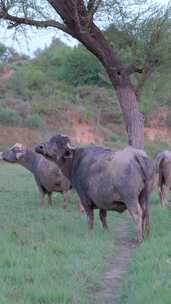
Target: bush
<point x="168" y="119"/>
<point x="34" y="121"/>
<point x="81" y="68"/>
<point x="23" y="108"/>
<point x="27" y="80"/>
<point x="115" y="137"/>
<point x="10" y="117"/>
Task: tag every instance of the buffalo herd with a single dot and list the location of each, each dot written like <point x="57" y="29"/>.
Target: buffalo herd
<point x="104" y="178"/>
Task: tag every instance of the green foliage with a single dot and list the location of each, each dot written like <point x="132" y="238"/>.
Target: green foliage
<point x="26" y="80"/>
<point x="2" y="50"/>
<point x="81" y="67"/>
<point x="10" y="117"/>
<point x="157" y="91"/>
<point x="121" y="41"/>
<point x="168" y="119"/>
<point x="34" y="121"/>
<point x="115" y="137"/>
<point x="141" y="33"/>
<point x="52" y="61"/>
<point x="47" y="81"/>
<point x="149" y="274"/>
<point x="76" y="66"/>
<point x="46" y="255"/>
<point x="1" y="66"/>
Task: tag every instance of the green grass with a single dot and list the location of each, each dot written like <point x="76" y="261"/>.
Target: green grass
<point x="47" y="256"/>
<point x="149" y="275"/>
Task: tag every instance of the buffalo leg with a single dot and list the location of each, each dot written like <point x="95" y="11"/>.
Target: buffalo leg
<point x="103" y="215"/>
<point x="136" y="213"/>
<point x="50" y="198"/>
<point x="145" y="218"/>
<point x="145" y="213"/>
<point x="163" y="194"/>
<point x="80" y="206"/>
<point x="66" y="199"/>
<point x="41" y="198"/>
<point x="90" y="216"/>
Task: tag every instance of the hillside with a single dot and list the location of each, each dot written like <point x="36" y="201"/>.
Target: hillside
<point x="66" y="90"/>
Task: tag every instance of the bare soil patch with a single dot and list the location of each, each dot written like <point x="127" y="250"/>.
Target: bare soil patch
<point x="118" y="268"/>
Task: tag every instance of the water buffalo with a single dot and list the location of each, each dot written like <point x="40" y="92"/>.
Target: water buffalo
<point x="47" y="174"/>
<point x="163" y="162"/>
<point x="105" y="179"/>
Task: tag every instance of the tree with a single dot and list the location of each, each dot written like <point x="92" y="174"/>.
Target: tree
<point x="142" y="28"/>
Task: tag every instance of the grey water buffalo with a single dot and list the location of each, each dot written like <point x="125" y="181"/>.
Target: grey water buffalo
<point x="105" y="179"/>
<point x="47" y="174"/>
<point x="163" y="163"/>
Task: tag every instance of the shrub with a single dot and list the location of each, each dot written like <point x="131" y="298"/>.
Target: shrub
<point x="168" y="119"/>
<point x="23" y="108"/>
<point x="10" y="117"/>
<point x="115" y="137"/>
<point x="81" y="68"/>
<point x="26" y="80"/>
<point x="34" y="121"/>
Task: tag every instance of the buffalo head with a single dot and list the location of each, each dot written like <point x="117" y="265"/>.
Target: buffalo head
<point x="14" y="154"/>
<point x="57" y="148"/>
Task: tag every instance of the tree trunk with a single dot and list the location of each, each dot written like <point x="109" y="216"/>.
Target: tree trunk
<point x="134" y="120"/>
<point x="128" y="100"/>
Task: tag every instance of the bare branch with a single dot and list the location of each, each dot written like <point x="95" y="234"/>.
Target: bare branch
<point x="90" y="5"/>
<point x="92" y="8"/>
<point x="144" y="76"/>
<point x="15" y="21"/>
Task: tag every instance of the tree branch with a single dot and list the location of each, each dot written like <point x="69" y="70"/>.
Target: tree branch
<point x="134" y="68"/>
<point x="92" y="8"/>
<point x="144" y="76"/>
<point x="14" y="21"/>
<point x="148" y="68"/>
<point x="93" y="39"/>
<point x="81" y="8"/>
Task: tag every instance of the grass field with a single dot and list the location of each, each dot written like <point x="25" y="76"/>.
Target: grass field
<point x="149" y="274"/>
<point x="47" y="256"/>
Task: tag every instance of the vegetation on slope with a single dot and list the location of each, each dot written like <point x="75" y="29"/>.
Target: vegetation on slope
<point x="61" y="76"/>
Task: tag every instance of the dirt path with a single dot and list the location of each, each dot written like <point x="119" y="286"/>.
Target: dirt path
<point x="117" y="268"/>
